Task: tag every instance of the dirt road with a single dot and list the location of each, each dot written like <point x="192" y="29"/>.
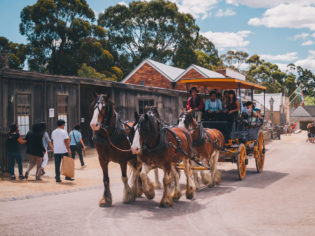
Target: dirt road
<point x="280" y="201"/>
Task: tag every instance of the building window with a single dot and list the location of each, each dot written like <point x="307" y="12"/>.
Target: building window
<point x="144" y="103"/>
<point x="62" y="109"/>
<point x="23" y="112"/>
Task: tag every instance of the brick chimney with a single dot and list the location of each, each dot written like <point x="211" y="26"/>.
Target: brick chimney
<point x="4" y="61"/>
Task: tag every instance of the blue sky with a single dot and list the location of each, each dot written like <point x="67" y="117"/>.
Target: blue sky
<point x="282" y="31"/>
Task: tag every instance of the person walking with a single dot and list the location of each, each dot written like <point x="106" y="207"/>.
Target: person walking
<point x="46" y="142"/>
<point x="13" y="151"/>
<point x="35" y="150"/>
<point x="61" y="147"/>
<point x="77" y="144"/>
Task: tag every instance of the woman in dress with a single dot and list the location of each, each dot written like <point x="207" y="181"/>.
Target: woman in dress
<point x="35" y="150"/>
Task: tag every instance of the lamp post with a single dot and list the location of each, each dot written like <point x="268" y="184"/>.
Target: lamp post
<point x="271" y="101"/>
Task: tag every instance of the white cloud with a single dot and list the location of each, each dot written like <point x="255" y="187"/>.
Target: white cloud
<point x="291" y="56"/>
<point x="197" y="8"/>
<point x="282" y="66"/>
<point x="228" y="39"/>
<point x="123" y="3"/>
<point x="311" y="54"/>
<point x="227" y="12"/>
<point x="313" y="35"/>
<point x="267" y="3"/>
<point x="307" y="63"/>
<point x="301" y="36"/>
<point x="287" y="16"/>
<point x="308" y="43"/>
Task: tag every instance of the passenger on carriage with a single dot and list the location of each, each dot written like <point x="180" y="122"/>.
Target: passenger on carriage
<point x="213" y="108"/>
<point x="251" y="113"/>
<point x="195" y="103"/>
<point x="233" y="106"/>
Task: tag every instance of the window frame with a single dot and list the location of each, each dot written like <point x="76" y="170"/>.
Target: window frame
<point x="16" y="113"/>
<point x="63" y="115"/>
<point x="144" y="99"/>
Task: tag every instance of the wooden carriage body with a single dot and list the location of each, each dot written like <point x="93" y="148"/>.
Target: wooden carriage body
<point x="241" y="141"/>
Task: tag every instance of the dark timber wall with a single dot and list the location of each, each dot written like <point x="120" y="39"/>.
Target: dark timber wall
<point x="44" y="90"/>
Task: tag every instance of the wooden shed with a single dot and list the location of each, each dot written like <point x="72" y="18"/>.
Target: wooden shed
<point x="30" y="97"/>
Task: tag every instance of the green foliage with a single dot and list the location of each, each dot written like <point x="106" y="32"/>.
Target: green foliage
<point x="16" y="53"/>
<point x="269" y="75"/>
<point x="89" y="72"/>
<point x="206" y="54"/>
<point x="154" y="29"/>
<point x="234" y="59"/>
<point x="62" y="37"/>
<point x="309" y="101"/>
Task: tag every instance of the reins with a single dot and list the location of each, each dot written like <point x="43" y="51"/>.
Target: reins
<point x="104" y="127"/>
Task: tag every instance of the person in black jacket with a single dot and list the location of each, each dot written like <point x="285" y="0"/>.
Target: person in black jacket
<point x="13" y="151"/>
<point x="35" y="150"/>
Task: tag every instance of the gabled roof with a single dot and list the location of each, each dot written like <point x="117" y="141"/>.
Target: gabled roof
<point x="310" y="110"/>
<point x="277" y="97"/>
<point x="205" y="72"/>
<point x="300" y="112"/>
<point x="170" y="72"/>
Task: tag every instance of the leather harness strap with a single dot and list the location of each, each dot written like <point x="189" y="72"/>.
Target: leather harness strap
<point x="177" y="148"/>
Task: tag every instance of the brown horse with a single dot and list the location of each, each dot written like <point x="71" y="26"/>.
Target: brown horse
<point x="130" y="130"/>
<point x="112" y="144"/>
<point x="163" y="147"/>
<point x="207" y="144"/>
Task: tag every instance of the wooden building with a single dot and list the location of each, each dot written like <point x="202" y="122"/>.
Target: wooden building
<point x="303" y="115"/>
<point x="30" y="97"/>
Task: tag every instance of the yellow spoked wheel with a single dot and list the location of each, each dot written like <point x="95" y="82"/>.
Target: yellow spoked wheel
<point x="241" y="161"/>
<point x="260" y="156"/>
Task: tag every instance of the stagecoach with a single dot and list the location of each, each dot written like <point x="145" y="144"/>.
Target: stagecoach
<point x="244" y="138"/>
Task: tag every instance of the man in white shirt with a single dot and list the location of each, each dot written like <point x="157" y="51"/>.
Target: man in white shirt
<point x="61" y="140"/>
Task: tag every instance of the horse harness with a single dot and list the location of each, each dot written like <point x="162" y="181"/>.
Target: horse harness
<point x="203" y="136"/>
<point x="113" y="136"/>
<point x="162" y="141"/>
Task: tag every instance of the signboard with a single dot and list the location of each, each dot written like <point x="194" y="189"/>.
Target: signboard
<point x="51" y="112"/>
<point x="82" y="120"/>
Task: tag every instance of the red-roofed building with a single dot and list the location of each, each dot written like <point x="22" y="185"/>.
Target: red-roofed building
<point x="154" y="74"/>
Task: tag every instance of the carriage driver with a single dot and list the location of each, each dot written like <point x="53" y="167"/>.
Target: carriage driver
<point x="195" y="103"/>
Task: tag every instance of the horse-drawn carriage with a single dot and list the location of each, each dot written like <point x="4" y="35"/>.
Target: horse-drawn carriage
<point x="244" y="137"/>
<point x="150" y="143"/>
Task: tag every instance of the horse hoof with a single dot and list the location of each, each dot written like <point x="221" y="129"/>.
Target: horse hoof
<point x="176" y="196"/>
<point x="103" y="203"/>
<point x="165" y="203"/>
<point x="129" y="197"/>
<point x="150" y="195"/>
<point x="190" y="195"/>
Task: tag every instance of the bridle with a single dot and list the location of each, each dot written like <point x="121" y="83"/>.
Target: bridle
<point x="104" y="125"/>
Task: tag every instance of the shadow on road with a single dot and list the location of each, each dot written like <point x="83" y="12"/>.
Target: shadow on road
<point x="252" y="179"/>
<point x="152" y="208"/>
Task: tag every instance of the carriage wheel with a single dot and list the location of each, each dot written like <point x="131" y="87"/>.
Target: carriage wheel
<point x="241" y="161"/>
<point x="260" y="159"/>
